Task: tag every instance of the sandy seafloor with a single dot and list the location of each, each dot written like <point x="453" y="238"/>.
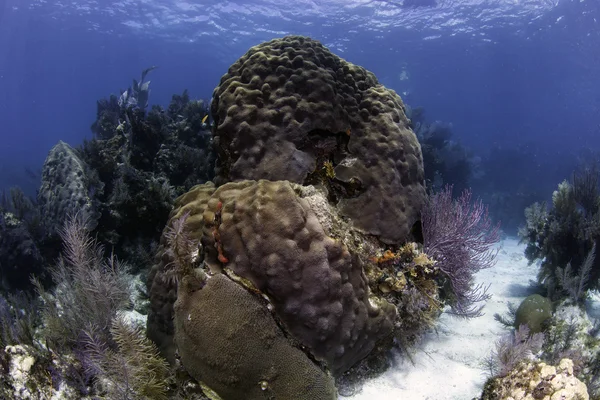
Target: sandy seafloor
<point x="448" y="363"/>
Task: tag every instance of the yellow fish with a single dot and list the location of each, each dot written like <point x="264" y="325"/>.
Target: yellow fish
<point x="205" y="118"/>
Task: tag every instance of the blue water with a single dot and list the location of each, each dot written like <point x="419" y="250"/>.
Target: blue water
<point x="519" y="74"/>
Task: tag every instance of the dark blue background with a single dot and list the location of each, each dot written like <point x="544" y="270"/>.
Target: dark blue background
<point x="535" y="87"/>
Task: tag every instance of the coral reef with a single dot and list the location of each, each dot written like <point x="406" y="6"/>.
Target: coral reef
<point x="571" y="334"/>
<point x="567" y="333"/>
<point x="143" y="161"/>
<point x="300" y="262"/>
<point x="289" y="105"/>
<point x="537" y="380"/>
<point x="271" y="239"/>
<point x="20" y="255"/>
<point x="77" y="343"/>
<point x="317" y="195"/>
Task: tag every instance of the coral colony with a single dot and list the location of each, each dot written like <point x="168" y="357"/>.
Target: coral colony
<point x="277" y="244"/>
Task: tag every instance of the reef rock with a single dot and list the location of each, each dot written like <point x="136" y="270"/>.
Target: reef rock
<point x="538" y="381"/>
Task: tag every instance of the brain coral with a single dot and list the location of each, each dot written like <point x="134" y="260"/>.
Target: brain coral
<point x="271" y="239"/>
<point x="289" y="105"/>
<point x="230" y="342"/>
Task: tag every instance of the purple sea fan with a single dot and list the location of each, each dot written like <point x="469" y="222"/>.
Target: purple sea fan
<point x="460" y="236"/>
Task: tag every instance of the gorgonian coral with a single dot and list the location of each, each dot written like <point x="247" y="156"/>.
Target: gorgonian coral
<point x="460" y="236"/>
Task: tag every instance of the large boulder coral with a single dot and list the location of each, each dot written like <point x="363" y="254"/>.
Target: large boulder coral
<point x="289" y="105"/>
<point x="272" y="240"/>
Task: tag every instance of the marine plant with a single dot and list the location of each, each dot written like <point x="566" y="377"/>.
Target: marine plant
<point x="86" y="339"/>
<point x="564" y="237"/>
<point x="446" y="161"/>
<point x="132" y="369"/>
<point x="511" y="349"/>
<point x="460" y="236"/>
<point x="137" y="95"/>
<point x="91" y="289"/>
<point x="21" y="246"/>
<point x="142" y="161"/>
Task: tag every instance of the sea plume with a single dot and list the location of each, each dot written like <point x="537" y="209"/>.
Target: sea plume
<point x="460" y="236"/>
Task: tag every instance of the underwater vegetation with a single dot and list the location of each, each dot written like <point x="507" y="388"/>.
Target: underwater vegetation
<point x="559" y="356"/>
<point x="460" y="236"/>
<point x="21" y="238"/>
<point x="564" y="237"/>
<point x="75" y="342"/>
<point x="123" y="182"/>
<point x="564" y="345"/>
<point x="286" y="246"/>
<point x="139" y="163"/>
<point x="446" y="161"/>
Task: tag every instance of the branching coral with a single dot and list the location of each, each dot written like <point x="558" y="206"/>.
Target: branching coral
<point x="576" y="284"/>
<point x="182" y="249"/>
<point x="513" y="348"/>
<point x="459" y="235"/>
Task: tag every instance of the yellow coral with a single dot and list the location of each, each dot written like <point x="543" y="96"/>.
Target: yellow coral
<point x="329" y="171"/>
<point x="423" y="260"/>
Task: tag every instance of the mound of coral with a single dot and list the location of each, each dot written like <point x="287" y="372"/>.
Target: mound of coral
<point x="301" y="240"/>
<point x="288" y="106"/>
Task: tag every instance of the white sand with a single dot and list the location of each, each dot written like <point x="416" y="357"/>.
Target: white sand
<point x="448" y="364"/>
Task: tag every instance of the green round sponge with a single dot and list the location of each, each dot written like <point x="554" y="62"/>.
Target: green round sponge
<point x="533" y="311"/>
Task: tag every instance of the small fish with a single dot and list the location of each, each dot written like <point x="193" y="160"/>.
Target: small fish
<point x="205" y="125"/>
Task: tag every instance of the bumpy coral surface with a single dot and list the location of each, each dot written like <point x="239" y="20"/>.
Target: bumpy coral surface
<point x="540" y="381"/>
<point x="229" y="341"/>
<point x="289" y="105"/>
<point x="65" y="188"/>
<point x="270" y="238"/>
